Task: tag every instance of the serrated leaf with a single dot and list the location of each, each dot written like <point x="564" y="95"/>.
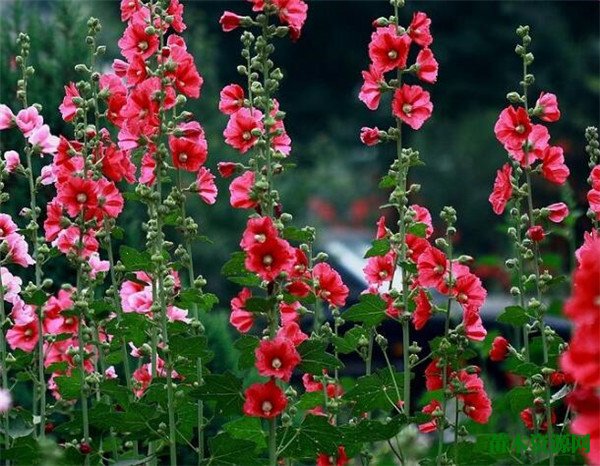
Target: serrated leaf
<point x="297" y="234"/>
<point x="37" y="298"/>
<point x="370" y="310"/>
<point x="375" y="391"/>
<point x="379" y="247"/>
<point x="315" y="358"/>
<point x="226" y="450"/>
<point x="135" y="260"/>
<point x="519" y="398"/>
<point x="69" y="386"/>
<point x="246" y="345"/>
<point x="418" y="229"/>
<point x="235" y="265"/>
<point x="247" y="428"/>
<point x="349" y="342"/>
<point x="192" y="348"/>
<point x="315" y="435"/>
<point x="310" y="400"/>
<point x="513" y="315"/>
<point x="372" y="430"/>
<point x="225" y="389"/>
<point x="258" y="305"/>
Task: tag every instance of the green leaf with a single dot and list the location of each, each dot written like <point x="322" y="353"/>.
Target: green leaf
<point x="513" y="315"/>
<point x="387" y="182"/>
<point x="520" y="398"/>
<point x="246" y="345"/>
<point x="190" y="297"/>
<point x="24" y="450"/>
<point x="370" y="310"/>
<point x="258" y="305"/>
<point x="349" y="342"/>
<point x="300" y="235"/>
<point x="37" y="298"/>
<point x="315" y="358"/>
<point x="235" y="265"/>
<point x="225" y="389"/>
<point x="134" y="461"/>
<point x="375" y="391"/>
<point x="247" y="428"/>
<point x="418" y="229"/>
<point x="315" y="435"/>
<point x="134" y="260"/>
<point x="379" y="247"/>
<point x="192" y="348"/>
<point x="226" y="450"/>
<point x="310" y="400"/>
<point x="69" y="386"/>
<point x="372" y="430"/>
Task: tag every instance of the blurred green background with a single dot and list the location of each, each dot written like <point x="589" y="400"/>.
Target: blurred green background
<point x="335" y="181"/>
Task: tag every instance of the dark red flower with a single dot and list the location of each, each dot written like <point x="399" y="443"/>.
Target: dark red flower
<point x="276" y="358"/>
<point x="265" y="400"/>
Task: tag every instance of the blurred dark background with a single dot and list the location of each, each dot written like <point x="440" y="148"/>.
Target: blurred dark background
<point x="335" y="182"/>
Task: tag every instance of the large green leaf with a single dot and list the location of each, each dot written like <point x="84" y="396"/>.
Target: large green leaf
<point x="513" y="315"/>
<point x="246" y="345"/>
<point x="315" y="358"/>
<point x="225" y="389"/>
<point x="375" y="391"/>
<point x="315" y="435"/>
<point x="247" y="428"/>
<point x="370" y="310"/>
<point x="226" y="450"/>
<point x="379" y="247"/>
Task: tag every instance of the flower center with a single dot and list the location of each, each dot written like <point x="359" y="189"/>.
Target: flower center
<point x="383" y="274"/>
<point x="143" y="45"/>
<point x="183" y="157"/>
<point x="69" y="321"/>
<point x="268" y="259"/>
<point x="260" y="238"/>
<point x="462" y="298"/>
<point x="246" y="136"/>
<point x="438" y="269"/>
<point x="392" y="54"/>
<point x="407" y="108"/>
<point x="267" y="407"/>
<point x="28" y="332"/>
<point x="1" y="231"/>
<point x="276" y="363"/>
<point x="520" y="129"/>
<point x="325" y="294"/>
<point x="81" y="198"/>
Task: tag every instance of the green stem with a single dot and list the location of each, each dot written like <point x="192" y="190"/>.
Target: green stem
<point x="3" y="368"/>
<point x="273" y="442"/>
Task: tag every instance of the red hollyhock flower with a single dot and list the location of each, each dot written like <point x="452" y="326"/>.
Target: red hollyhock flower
<point x="532" y="148"/>
<point x="387" y="49"/>
<point x="536" y="233"/>
<point x="422" y="312"/>
<point x="116" y="164"/>
<point x="52" y="224"/>
<point x="232" y="99"/>
<point x="205" y="184"/>
<point x="329" y="285"/>
<point x="341" y="459"/>
<point x="380" y="269"/>
<point x="137" y="71"/>
<point x="416" y="246"/>
<point x="369" y="136"/>
<point x="238" y="133"/>
<point x="474" y="329"/>
<point x="427" y="66"/>
<point x="269" y="258"/>
<point x="433" y="375"/>
<point x="241" y="191"/>
<point x="77" y="194"/>
<point x="370" y="92"/>
<point x="546" y="107"/>
<point x="586" y="404"/>
<point x="431" y="267"/>
<point x="136" y="40"/>
<point x="527" y="417"/>
<point x="258" y="230"/>
<point x="276" y="358"/>
<point x="188" y="155"/>
<point x="240" y="318"/>
<point x="412" y="105"/>
<point x="226" y="169"/>
<point x="429" y="408"/>
<point x="553" y="165"/>
<point x="593" y="198"/>
<point x="230" y="21"/>
<point x="291" y="332"/>
<point x="68" y="108"/>
<point x="499" y="349"/>
<point x="419" y="29"/>
<point x="513" y="126"/>
<point x="175" y="10"/>
<point x="502" y="189"/>
<point x="292" y="13"/>
<point x="476" y="403"/>
<point x="557" y="212"/>
<point x="469" y="291"/>
<point x="265" y="400"/>
<point x="184" y="74"/>
<point x="110" y="200"/>
<point x="422" y="215"/>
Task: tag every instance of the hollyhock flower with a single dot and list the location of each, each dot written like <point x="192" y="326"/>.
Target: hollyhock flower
<point x="300" y="269"/>
<point x="546" y="107"/>
<point x="110" y="373"/>
<point x="557" y="212"/>
<point x="12" y="286"/>
<point x="18" y="250"/>
<point x="24" y="336"/>
<point x="433" y="375"/>
<point x="427" y="66"/>
<point x="238" y="133"/>
<point x="78" y="194"/>
<point x="341" y="459"/>
<point x="241" y="191"/>
<point x="97" y="265"/>
<point x="142" y="378"/>
<point x="42" y="141"/>
<point x="369" y="136"/>
<point x="184" y="73"/>
<point x="175" y="10"/>
<point x="430" y="408"/>
<point x="502" y="189"/>
<point x="476" y="403"/>
<point x="7" y="118"/>
<point x="187" y="154"/>
<point x="310" y="384"/>
<point x="593" y="197"/>
<point x="382" y="231"/>
<point x="595" y="177"/>
<point x="412" y="105"/>
<point x="380" y="269"/>
<point x="68" y="108"/>
<point x="68" y="241"/>
<point x="135" y="40"/>
<point x="280" y="142"/>
<point x="291" y="332"/>
<point x="205" y="184"/>
<point x="532" y="147"/>
<point x="513" y="126"/>
<point x="229" y="21"/>
<point x="553" y="165"/>
<point x="288" y="313"/>
<point x="370" y="92"/>
<point x="431" y="267"/>
<point x="499" y="349"/>
<point x="474" y="329"/>
<point x="586" y="405"/>
<point x="5" y="400"/>
<point x="116" y="164"/>
<point x="329" y="285"/>
<point x="241" y="319"/>
<point x="269" y="258"/>
<point x="416" y="246"/>
<point x="47" y="176"/>
<point x="422" y="215"/>
<point x="128" y="8"/>
<point x="110" y="200"/>
<point x="136" y="71"/>
<point x="175" y="314"/>
<point x="232" y="99"/>
<point x="52" y="224"/>
<point x="226" y="169"/>
<point x="536" y="233"/>
<point x="542" y="425"/>
<point x="419" y="29"/>
<point x="387" y="49"/>
<point x="469" y="291"/>
<point x="422" y="311"/>
<point x="276" y="358"/>
<point x="28" y="120"/>
<point x="7" y="226"/>
<point x="292" y="13"/>
<point x="264" y="400"/>
<point x="258" y="230"/>
<point x="11" y="160"/>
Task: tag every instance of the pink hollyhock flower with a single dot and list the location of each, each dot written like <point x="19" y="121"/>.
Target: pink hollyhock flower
<point x="238" y="133"/>
<point x="7" y="226"/>
<point x="595" y="177"/>
<point x="68" y="108"/>
<point x="280" y="142"/>
<point x="231" y="99"/>
<point x="292" y="13"/>
<point x="226" y="169"/>
<point x="136" y="71"/>
<point x="423" y="216"/>
<point x="110" y="200"/>
<point x="128" y="8"/>
<point x="586" y="405"/>
<point x="276" y="358"/>
<point x="340" y="459"/>
<point x="431" y="267"/>
<point x="469" y="291"/>
<point x="205" y="184"/>
<point x="502" y="189"/>
<point x="258" y="230"/>
<point x="264" y="400"/>
<point x="370" y="92"/>
<point x="474" y="329"/>
<point x="142" y="378"/>
<point x="416" y="246"/>
<point x="230" y="21"/>
<point x="329" y="285"/>
<point x="135" y="40"/>
<point x="532" y="147"/>
<point x="536" y="233"/>
<point x="97" y="265"/>
<point x="419" y="29"/>
<point x="381" y="229"/>
<point x="241" y="191"/>
<point x="110" y="373"/>
<point x="412" y="105"/>
<point x="47" y="175"/>
<point x="78" y="194"/>
<point x="18" y="250"/>
<point x="432" y="425"/>
<point x="593" y="197"/>
<point x="43" y="141"/>
<point x="240" y="318"/>
<point x="380" y="269"/>
<point x="11" y="160"/>
<point x="24" y="336"/>
<point x="7" y="118"/>
<point x="68" y="241"/>
<point x="147" y="172"/>
<point x="513" y="126"/>
<point x="557" y="212"/>
<point x="369" y="136"/>
<point x="288" y="313"/>
<point x="427" y="66"/>
<point x="175" y="9"/>
<point x="5" y="400"/>
<point x="120" y="67"/>
<point x="185" y="75"/>
<point x="12" y="286"/>
<point x="28" y="120"/>
<point x="476" y="403"/>
<point x="499" y="349"/>
<point x="188" y="155"/>
<point x="269" y="258"/>
<point x="175" y="314"/>
<point x="422" y="311"/>
<point x="553" y="165"/>
<point x="387" y="49"/>
<point x="546" y="107"/>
